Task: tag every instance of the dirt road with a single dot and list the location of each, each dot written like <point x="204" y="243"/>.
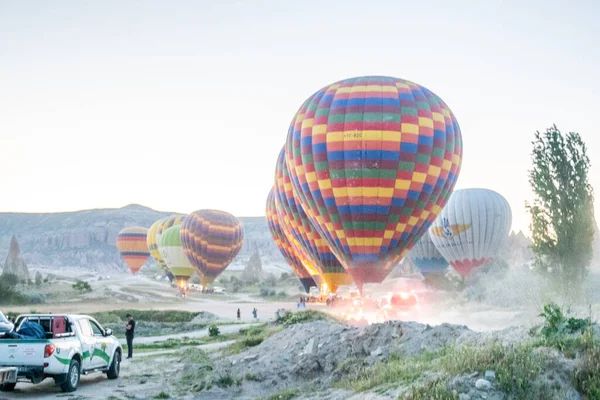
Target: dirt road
<point x="139" y="375"/>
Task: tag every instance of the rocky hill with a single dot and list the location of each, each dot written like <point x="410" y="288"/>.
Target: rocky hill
<point x="15" y="264"/>
<point x="87" y="238"/>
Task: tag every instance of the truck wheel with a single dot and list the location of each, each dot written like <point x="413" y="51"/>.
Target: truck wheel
<point x="8" y="387"/>
<point x="72" y="381"/>
<point x="115" y="367"/>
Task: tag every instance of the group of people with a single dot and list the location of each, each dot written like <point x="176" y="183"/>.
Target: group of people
<point x="254" y="314"/>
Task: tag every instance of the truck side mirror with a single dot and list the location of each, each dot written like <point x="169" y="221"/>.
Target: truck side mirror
<point x="108" y="332"/>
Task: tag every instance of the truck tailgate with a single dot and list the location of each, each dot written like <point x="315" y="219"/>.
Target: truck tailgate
<point x="14" y="353"/>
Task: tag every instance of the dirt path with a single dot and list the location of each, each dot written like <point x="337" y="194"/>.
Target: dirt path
<point x="224" y="329"/>
<point x="205" y="347"/>
<point x="139" y="375"/>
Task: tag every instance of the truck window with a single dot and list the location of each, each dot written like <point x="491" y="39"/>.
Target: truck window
<point x="85" y="328"/>
<point x="96" y="329"/>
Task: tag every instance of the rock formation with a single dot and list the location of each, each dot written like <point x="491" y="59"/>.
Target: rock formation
<point x="15" y="264"/>
<point x="87" y="238"/>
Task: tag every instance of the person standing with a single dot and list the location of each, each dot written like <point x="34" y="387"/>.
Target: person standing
<point x="239" y="314"/>
<point x="129" y="334"/>
<point x="255" y="313"/>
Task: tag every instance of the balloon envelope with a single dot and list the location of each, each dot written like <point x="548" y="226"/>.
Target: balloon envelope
<point x="132" y="246"/>
<point x="153" y="245"/>
<point x="174" y="255"/>
<point x="211" y="240"/>
<point x="426" y="257"/>
<point x="471" y="229"/>
<point x="373" y="160"/>
<point x="302" y="232"/>
<point x="284" y="245"/>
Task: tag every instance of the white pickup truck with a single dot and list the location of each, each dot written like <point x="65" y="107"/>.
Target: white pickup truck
<point x="74" y="345"/>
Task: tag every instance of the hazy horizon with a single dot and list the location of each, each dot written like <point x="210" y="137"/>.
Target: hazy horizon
<point x="185" y="105"/>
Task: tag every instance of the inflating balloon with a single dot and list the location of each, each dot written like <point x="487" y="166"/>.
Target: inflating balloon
<point x="132" y="246"/>
<point x="211" y="240"/>
<point x="373" y="161"/>
<point x="153" y="245"/>
<point x="284" y="245"/>
<point x="426" y="257"/>
<point x="172" y="252"/>
<point x="471" y="229"/>
<point x="302" y="233"/>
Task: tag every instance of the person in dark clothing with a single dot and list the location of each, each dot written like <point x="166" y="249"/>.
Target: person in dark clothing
<point x="129" y="333"/>
<point x="239" y="314"/>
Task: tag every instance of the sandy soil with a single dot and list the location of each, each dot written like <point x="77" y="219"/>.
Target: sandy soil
<point x="124" y="291"/>
<point x="137" y="375"/>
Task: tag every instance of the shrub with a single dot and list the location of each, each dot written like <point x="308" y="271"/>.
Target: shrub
<point x="300" y="317"/>
<point x="214" y="331"/>
<point x="82" y="286"/>
<point x="38" y="298"/>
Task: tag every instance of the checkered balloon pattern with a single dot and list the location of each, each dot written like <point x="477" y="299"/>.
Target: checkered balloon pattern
<point x="284" y="245"/>
<point x="373" y="160"/>
<point x="304" y="233"/>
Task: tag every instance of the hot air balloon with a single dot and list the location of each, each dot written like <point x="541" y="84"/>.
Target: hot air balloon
<point x="167" y="223"/>
<point x="153" y="245"/>
<point x="211" y="240"/>
<point x="302" y="233"/>
<point x="471" y="229"/>
<point x="132" y="246"/>
<point x="284" y="245"/>
<point x="426" y="257"/>
<point x="172" y="252"/>
<point x="373" y="160"/>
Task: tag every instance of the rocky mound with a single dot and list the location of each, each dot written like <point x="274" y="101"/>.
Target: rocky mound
<point x="324" y="359"/>
<point x="15" y="264"/>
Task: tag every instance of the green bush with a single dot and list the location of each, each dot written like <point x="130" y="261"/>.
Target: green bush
<point x="586" y="377"/>
<point x="253" y="341"/>
<point x="8" y="293"/>
<point x="213" y="331"/>
<point x="82" y="286"/>
<point x="301" y="317"/>
<point x="161" y="316"/>
<point x="561" y="332"/>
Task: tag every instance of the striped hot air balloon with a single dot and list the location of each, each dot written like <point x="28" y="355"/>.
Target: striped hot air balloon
<point x="211" y="240"/>
<point x="153" y="245"/>
<point x="373" y="161"/>
<point x="472" y="228"/>
<point x="132" y="246"/>
<point x="303" y="234"/>
<point x="284" y="245"/>
<point x="172" y="251"/>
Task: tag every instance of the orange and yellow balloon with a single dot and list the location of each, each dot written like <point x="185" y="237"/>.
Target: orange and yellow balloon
<point x="133" y="248"/>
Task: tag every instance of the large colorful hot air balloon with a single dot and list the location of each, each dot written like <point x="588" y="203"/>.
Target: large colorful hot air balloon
<point x="284" y="245"/>
<point x="426" y="257"/>
<point x="471" y="229"/>
<point x="373" y="160"/>
<point x="211" y="240"/>
<point x="153" y="245"/>
<point x="172" y="251"/>
<point x="302" y="234"/>
<point x="131" y="243"/>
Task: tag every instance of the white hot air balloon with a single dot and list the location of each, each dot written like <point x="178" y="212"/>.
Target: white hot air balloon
<point x="472" y="228"/>
<point x="426" y="257"/>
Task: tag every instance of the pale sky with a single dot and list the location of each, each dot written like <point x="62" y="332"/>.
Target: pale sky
<point x="183" y="105"/>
